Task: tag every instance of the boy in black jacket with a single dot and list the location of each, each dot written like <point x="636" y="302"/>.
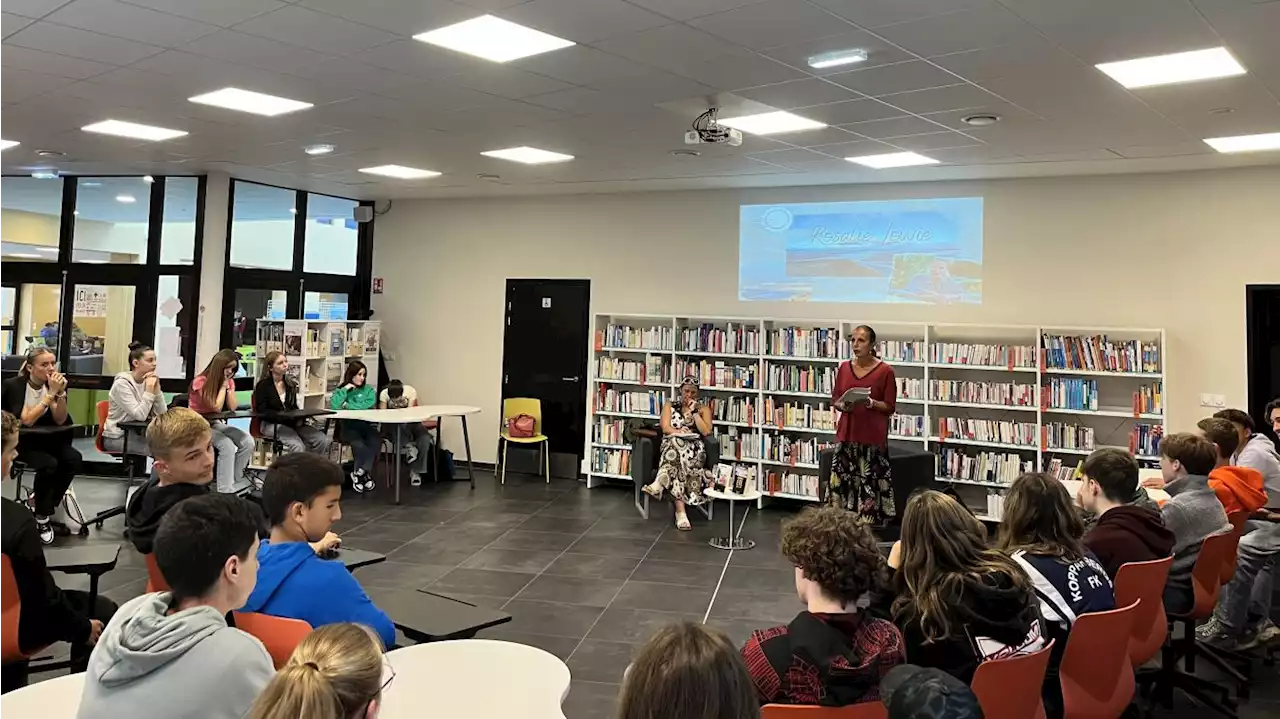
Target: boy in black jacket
<point x="49" y="614"/>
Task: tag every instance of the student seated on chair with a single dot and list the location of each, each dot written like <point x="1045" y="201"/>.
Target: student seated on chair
<point x="416" y="437"/>
<point x="688" y="671"/>
<point x="181" y="444"/>
<point x="1255" y="451"/>
<point x="37" y="397"/>
<point x="302" y="495"/>
<point x="1240" y="489"/>
<point x="277" y="391"/>
<point x="959" y="602"/>
<point x="1041" y="530"/>
<point x="171" y="655"/>
<point x="337" y="672"/>
<point x="355" y="392"/>
<point x="49" y="614"/>
<point x="832" y="653"/>
<point x="135" y="396"/>
<point x="214" y="390"/>
<point x="1124" y="532"/>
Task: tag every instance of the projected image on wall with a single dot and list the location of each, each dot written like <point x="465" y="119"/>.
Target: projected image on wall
<point x="904" y="251"/>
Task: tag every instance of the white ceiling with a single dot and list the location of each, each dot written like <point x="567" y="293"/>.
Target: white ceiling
<point x="621" y="99"/>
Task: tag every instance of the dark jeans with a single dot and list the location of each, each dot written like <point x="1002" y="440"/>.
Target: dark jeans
<point x="14" y="674"/>
<point x="364" y="440"/>
<point x="55" y="463"/>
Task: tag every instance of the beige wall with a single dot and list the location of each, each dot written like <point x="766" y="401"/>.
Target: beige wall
<point x="1165" y="250"/>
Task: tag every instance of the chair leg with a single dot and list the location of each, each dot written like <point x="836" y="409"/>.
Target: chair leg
<point x="546" y="459"/>
<point x="505" y="447"/>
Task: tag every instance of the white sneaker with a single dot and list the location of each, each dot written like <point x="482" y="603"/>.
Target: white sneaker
<point x="358" y="481"/>
<point x="410" y="452"/>
<point x="415" y="480"/>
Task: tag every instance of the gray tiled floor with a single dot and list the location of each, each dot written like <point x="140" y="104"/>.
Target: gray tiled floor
<point x="582" y="575"/>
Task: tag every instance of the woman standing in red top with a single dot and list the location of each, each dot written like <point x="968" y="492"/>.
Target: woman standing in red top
<point x="860" y="480"/>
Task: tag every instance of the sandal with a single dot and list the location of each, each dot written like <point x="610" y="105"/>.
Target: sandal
<point x="682" y="522"/>
<point x="652" y="491"/>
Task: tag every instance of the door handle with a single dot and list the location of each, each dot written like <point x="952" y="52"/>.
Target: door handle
<point x="570" y="379"/>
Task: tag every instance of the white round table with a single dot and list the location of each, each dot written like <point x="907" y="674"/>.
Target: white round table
<point x="414" y="415"/>
<point x="734" y="540"/>
<point x="57" y="698"/>
<point x="477" y="679"/>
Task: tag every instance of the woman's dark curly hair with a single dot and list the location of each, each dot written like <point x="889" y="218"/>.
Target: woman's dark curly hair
<point x="835" y="551"/>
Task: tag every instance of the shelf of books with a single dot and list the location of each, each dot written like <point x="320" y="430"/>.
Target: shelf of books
<point x="318" y="352"/>
<point x="989" y="401"/>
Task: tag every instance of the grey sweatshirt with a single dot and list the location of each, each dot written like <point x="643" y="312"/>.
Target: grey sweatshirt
<point x="181" y="666"/>
<point x="1192" y="513"/>
<point x="130" y="401"/>
<point x="1260" y="454"/>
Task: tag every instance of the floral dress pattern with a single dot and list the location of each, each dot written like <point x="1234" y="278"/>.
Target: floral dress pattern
<point x="861" y="482"/>
<point x="682" y="463"/>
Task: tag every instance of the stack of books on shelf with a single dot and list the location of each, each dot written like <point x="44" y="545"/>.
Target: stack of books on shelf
<point x="800" y="378"/>
<point x="612" y="400"/>
<point x="900" y="350"/>
<point x="803" y="485"/>
<point x="1060" y="435"/>
<point x="337" y="340"/>
<point x="906" y="425"/>
<point x="270" y="337"/>
<point x="1008" y="394"/>
<point x="798" y="416"/>
<point x="1068" y="393"/>
<point x="735" y="444"/>
<point x="995" y="506"/>
<point x="1009" y="356"/>
<point x="910" y="388"/>
<point x="653" y="370"/>
<point x="1001" y="468"/>
<point x="733" y="409"/>
<point x="1144" y="439"/>
<point x="717" y="373"/>
<point x="779" y="448"/>
<point x="1098" y="353"/>
<point x="609" y="431"/>
<point x="818" y="343"/>
<point x="611" y="461"/>
<point x="733" y="339"/>
<point x="1063" y="472"/>
<point x="1149" y="399"/>
<point x="987" y="430"/>
<point x="734" y="478"/>
<point x="644" y="338"/>
<point x="313" y="342"/>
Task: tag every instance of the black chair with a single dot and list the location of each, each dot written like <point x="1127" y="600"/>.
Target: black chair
<point x="644" y="467"/>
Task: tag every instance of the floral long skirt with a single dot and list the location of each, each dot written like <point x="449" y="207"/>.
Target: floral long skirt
<point x="861" y="482"/>
<point x="682" y="469"/>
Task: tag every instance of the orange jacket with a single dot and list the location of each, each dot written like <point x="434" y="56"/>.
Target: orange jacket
<point x="1238" y="488"/>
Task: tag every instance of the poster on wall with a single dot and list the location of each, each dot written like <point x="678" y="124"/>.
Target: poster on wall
<point x="91" y="301"/>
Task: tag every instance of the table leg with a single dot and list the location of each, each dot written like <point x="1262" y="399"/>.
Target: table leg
<point x="397" y="480"/>
<point x="466" y="444"/>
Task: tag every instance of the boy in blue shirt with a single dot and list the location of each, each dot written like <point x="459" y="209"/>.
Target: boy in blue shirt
<point x="301" y="494"/>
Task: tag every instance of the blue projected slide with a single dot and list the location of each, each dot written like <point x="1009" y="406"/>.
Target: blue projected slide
<point x="913" y="251"/>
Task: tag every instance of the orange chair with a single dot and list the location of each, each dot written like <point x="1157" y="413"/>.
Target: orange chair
<point x="1095" y="673"/>
<point x="1144" y="581"/>
<point x="280" y="635"/>
<point x="1235" y="664"/>
<point x="1010" y="688"/>
<point x="10" y="616"/>
<point x="155" y="579"/>
<point x="103" y="407"/>
<point x="865" y="710"/>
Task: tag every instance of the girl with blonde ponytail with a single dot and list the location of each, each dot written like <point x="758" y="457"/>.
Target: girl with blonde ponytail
<point x="337" y="672"/>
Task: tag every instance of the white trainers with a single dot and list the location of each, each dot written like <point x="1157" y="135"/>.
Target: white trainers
<point x="415" y="479"/>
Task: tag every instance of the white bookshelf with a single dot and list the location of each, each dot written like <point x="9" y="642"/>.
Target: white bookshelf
<point x="317" y="359"/>
<point x="925" y="352"/>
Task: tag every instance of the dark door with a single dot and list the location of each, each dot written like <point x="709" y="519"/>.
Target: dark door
<point x="544" y="355"/>
<point x="1262" y="308"/>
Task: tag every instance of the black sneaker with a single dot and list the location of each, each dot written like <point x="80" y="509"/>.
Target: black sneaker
<point x="358" y="481"/>
<point x="369" y="484"/>
<point x="45" y="528"/>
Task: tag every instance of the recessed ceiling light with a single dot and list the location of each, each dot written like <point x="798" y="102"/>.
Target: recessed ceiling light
<point x="318" y="149"/>
<point x="981" y="120"/>
<point x="233" y="98"/>
<point x="1178" y="67"/>
<point x="1246" y="143"/>
<point x="399" y="171"/>
<point x="893" y="159"/>
<point x="127" y="199"/>
<point x="837" y="58"/>
<point x="27" y="256"/>
<point x="134" y="130"/>
<point x="528" y="155"/>
<point x="6" y="144"/>
<point x="493" y="39"/>
<point x="771" y="123"/>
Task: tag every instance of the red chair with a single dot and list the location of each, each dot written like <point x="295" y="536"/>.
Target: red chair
<point x="1235" y="664"/>
<point x="155" y="579"/>
<point x="1144" y="581"/>
<point x="865" y="710"/>
<point x="103" y="408"/>
<point x="1096" y="676"/>
<point x="10" y="617"/>
<point x="280" y="635"/>
<point x="1011" y="688"/>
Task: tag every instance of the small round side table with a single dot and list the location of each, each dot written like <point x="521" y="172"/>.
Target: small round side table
<point x="734" y="540"/>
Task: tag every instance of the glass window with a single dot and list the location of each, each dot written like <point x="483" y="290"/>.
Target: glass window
<point x="8" y="295"/>
<point x="174" y="314"/>
<point x="324" y="306"/>
<point x="330" y="236"/>
<point x="251" y="306"/>
<point x="178" y="227"/>
<point x="37" y="321"/>
<point x="101" y="329"/>
<point x="262" y="220"/>
<point x="112" y="215"/>
<point x="31" y="216"/>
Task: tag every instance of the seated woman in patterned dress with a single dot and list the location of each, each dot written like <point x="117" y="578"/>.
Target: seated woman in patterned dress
<point x="682" y="460"/>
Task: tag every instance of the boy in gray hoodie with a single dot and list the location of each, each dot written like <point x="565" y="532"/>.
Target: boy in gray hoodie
<point x="171" y="655"/>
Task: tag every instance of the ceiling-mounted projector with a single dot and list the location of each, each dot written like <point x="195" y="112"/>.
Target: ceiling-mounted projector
<point x="707" y="131"/>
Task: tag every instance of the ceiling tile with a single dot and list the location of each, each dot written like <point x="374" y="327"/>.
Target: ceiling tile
<point x="20" y="85"/>
<point x="490" y="5"/>
<point x="1175" y="150"/>
<point x="812" y="138"/>
<point x="743" y="68"/>
<point x="256" y="51"/>
<point x="688" y="9"/>
<point x="797" y="93"/>
<point x="932" y="141"/>
<point x="843" y="113"/>
<point x="940" y="99"/>
<point x="893" y="127"/>
<point x="856" y="148"/>
<point x="223" y="13"/>
<point x="878" y="51"/>
<point x="583" y="21"/>
<point x="1025" y="57"/>
<point x="506" y="82"/>
<point x="418" y="58"/>
<point x="1103" y="30"/>
<point x="671" y="47"/>
<point x="33" y="8"/>
<point x="890" y="79"/>
<point x="877" y="13"/>
<point x="1008" y="114"/>
<point x="580" y="100"/>
<point x="771" y="23"/>
<point x="50" y="64"/>
<point x="347" y="73"/>
<point x="131" y="22"/>
<point x="1250" y="32"/>
<point x="397" y="16"/>
<point x="957" y="31"/>
<point x="1224" y="107"/>
<point x="310" y="29"/>
<point x="79" y="43"/>
<point x="440" y="96"/>
<point x="975" y="154"/>
<point x="10" y="23"/>
<point x="582" y="65"/>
